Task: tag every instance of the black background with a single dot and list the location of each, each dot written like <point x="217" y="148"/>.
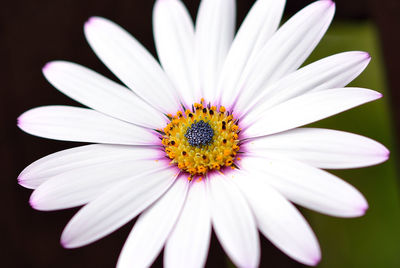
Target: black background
<point x="35" y="32"/>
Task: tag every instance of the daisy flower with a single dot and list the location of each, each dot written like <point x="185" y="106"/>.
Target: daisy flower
<point x="206" y="140"/>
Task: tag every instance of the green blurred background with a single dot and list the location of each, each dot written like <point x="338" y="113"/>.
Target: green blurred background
<point x="374" y="239"/>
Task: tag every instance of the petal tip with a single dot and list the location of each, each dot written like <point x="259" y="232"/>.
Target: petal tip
<point x="311" y="258"/>
<point x="383" y="152"/>
<point x="363" y="209"/>
<point x="64" y="241"/>
<point x="20" y="121"/>
<point x="386" y="153"/>
<point x="329" y="3"/>
<point x="21" y="179"/>
<point x="91" y="21"/>
<point x="36" y="201"/>
<point x="374" y="95"/>
<point x="67" y="239"/>
<point x="32" y="201"/>
<point x="315" y="261"/>
<point x="46" y="67"/>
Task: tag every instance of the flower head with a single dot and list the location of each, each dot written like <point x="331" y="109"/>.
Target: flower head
<point x="208" y="138"/>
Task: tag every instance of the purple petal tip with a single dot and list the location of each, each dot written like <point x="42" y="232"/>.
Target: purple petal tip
<point x="88" y="23"/>
<point x="383" y="152"/>
<point x="20" y="179"/>
<point x="46" y="67"/>
<point x="375" y="95"/>
<point x="19" y="121"/>
<point x="316" y="260"/>
<point x="91" y="21"/>
<point x="32" y="202"/>
<point x="329" y="2"/>
<point x="62" y="243"/>
<point x="364" y="209"/>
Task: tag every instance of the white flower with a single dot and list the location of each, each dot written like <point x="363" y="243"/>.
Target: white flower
<point x="169" y="150"/>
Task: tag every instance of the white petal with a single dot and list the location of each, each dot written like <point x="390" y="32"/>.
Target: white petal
<point x="101" y="94"/>
<point x="82" y="125"/>
<point x="153" y="227"/>
<point x="308" y="186"/>
<point x="215" y="26"/>
<point x="279" y="220"/>
<point x="84" y="156"/>
<point x="116" y="207"/>
<point x="286" y="50"/>
<point x="233" y="222"/>
<point x="174" y="39"/>
<point x="332" y="72"/>
<point x="131" y="63"/>
<point x="188" y="243"/>
<point x="305" y="109"/>
<point x="80" y="186"/>
<point x="322" y="148"/>
<point x="259" y="25"/>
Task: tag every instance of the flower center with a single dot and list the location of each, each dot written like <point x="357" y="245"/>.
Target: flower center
<point x="199" y="134"/>
<point x="202" y="139"/>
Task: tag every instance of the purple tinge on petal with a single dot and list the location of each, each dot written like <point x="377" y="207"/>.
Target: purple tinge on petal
<point x="19" y="121"/>
<point x="383" y="152"/>
<point x="330" y="2"/>
<point x="32" y="201"/>
<point x="386" y="153"/>
<point x="91" y="20"/>
<point x="46" y="67"/>
<point x="367" y="55"/>
<point x="364" y="208"/>
<point x="22" y="180"/>
<point x="316" y="260"/>
<point x="89" y="23"/>
<point x="63" y="243"/>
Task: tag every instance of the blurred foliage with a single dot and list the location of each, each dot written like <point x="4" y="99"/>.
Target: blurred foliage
<point x="372" y="240"/>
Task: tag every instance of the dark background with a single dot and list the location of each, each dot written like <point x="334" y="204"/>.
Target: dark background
<point x="35" y="32"/>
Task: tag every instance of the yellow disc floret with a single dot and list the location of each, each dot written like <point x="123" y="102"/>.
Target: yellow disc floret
<point x="202" y="139"/>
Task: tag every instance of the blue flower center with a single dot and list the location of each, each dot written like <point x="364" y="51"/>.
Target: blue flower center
<point x="199" y="134"/>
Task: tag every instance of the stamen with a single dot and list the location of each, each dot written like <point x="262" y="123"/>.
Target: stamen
<point x="202" y="139"/>
<point x="199" y="134"/>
